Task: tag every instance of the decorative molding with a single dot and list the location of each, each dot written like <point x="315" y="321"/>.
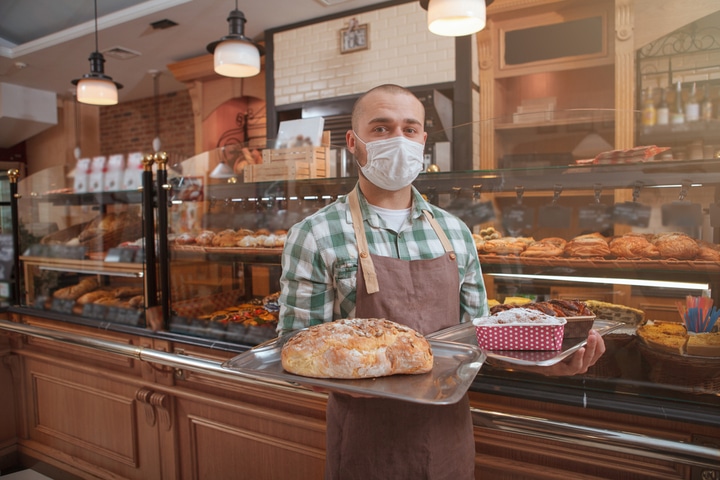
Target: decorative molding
<point x="624" y="22"/>
<point x="143" y="396"/>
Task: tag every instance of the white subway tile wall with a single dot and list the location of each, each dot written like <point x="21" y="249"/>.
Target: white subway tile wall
<point x="309" y="65"/>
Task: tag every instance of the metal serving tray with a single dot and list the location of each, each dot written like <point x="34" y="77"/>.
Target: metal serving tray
<point x="454" y="369"/>
<point x="464" y="334"/>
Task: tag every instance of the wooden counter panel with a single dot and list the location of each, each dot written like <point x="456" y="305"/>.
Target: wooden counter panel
<point x="90" y="417"/>
<point x="256" y="443"/>
<point x="557" y="460"/>
<point x="95" y="357"/>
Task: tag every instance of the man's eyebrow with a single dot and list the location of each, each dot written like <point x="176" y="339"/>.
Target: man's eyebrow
<point x="410" y="120"/>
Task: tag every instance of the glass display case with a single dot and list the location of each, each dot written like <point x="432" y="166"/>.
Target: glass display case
<point x="82" y="253"/>
<point x="220" y="236"/>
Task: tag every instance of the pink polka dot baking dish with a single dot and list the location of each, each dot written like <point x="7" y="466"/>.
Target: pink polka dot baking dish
<point x="520" y="329"/>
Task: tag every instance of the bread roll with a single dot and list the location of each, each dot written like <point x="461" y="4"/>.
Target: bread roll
<point x="357" y="348"/>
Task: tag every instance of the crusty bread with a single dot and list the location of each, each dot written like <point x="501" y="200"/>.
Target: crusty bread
<point x="357" y="348"/>
<point x="74" y="292"/>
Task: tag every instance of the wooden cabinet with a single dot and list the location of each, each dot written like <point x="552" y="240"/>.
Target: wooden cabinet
<point x="98" y="414"/>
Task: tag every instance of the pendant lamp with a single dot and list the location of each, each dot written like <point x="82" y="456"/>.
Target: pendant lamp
<point x="455" y="18"/>
<point x="96" y="88"/>
<point x="235" y="55"/>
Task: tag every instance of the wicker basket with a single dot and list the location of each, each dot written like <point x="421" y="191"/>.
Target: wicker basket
<point x="701" y="374"/>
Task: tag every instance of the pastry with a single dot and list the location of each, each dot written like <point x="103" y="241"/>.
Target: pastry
<point x="357" y="348"/>
<point x="616" y="312"/>
<point x="547" y="247"/>
<point x="708" y="251"/>
<point x="504" y="246"/>
<point x="633" y="246"/>
<point x="205" y="238"/>
<point x="185" y="239"/>
<point x="667" y="336"/>
<point x="676" y="245"/>
<point x="588" y="245"/>
<point x="704" y="344"/>
<point x="226" y="238"/>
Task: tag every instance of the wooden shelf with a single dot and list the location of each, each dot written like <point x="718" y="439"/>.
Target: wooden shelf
<point x="582" y="119"/>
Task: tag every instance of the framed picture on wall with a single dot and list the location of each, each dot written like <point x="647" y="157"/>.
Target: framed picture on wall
<point x="355" y="37"/>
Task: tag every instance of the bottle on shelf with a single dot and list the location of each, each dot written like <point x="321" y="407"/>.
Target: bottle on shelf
<point x="706" y="106"/>
<point x="649" y="114"/>
<point x="692" y="107"/>
<point x="663" y="110"/>
<point x="677" y="116"/>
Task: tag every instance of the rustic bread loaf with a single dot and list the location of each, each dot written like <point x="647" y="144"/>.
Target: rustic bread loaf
<point x="357" y="348"/>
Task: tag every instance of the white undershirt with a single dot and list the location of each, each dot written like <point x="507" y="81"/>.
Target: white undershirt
<point x="393" y="218"/>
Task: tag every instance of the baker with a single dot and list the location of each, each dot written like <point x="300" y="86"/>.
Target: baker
<point x="384" y="251"/>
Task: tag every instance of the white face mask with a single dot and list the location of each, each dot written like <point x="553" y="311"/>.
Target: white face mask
<point x="392" y="163"/>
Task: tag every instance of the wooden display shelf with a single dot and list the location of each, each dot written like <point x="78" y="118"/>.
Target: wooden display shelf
<point x="580" y="119"/>
<point x="602" y="263"/>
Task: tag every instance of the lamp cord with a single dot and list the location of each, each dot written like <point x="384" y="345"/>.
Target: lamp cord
<point x="97" y="49"/>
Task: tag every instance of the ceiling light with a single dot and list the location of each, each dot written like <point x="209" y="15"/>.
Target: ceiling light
<point x="96" y="88"/>
<point x="455" y="18"/>
<point x="235" y="55"/>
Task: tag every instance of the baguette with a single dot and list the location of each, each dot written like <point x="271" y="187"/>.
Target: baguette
<point x="357" y="348"/>
<point x="74" y="292"/>
<point x="94" y="296"/>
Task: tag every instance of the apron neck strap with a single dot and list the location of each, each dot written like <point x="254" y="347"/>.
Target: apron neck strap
<point x="368" y="269"/>
<point x="438" y="231"/>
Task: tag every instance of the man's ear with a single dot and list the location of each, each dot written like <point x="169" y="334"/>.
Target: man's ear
<point x="350" y="141"/>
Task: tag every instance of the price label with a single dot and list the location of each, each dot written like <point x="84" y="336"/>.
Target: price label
<point x="554" y="216"/>
<point x="632" y="213"/>
<point x="517" y="219"/>
<point x="595" y="217"/>
<point x="682" y="214"/>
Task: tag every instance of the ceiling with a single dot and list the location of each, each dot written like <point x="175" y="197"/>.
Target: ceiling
<point x="45" y="44"/>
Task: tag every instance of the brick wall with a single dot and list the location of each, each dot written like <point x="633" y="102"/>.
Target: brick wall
<point x="130" y="126"/>
<point x="309" y="65"/>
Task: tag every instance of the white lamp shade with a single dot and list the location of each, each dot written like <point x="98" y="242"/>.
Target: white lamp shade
<point x="97" y="91"/>
<point x="455" y="18"/>
<point x="237" y="58"/>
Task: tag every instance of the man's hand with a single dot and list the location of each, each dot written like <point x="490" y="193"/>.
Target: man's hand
<point x="580" y="361"/>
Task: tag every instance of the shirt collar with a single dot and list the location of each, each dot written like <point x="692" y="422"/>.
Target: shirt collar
<point x="418" y="205"/>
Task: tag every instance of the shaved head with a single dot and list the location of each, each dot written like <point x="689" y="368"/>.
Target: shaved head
<point x="362" y="103"/>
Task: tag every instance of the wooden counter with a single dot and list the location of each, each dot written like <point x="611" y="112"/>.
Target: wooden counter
<point x="110" y="413"/>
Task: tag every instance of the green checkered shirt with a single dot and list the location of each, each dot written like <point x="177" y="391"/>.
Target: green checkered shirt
<point x="320" y="260"/>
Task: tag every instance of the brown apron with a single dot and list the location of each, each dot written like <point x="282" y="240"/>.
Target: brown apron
<point x="378" y="438"/>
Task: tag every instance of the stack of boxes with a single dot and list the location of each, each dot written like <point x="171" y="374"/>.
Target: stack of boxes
<point x="295" y="163"/>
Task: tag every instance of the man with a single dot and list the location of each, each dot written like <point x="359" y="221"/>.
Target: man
<point x="383" y="251"/>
